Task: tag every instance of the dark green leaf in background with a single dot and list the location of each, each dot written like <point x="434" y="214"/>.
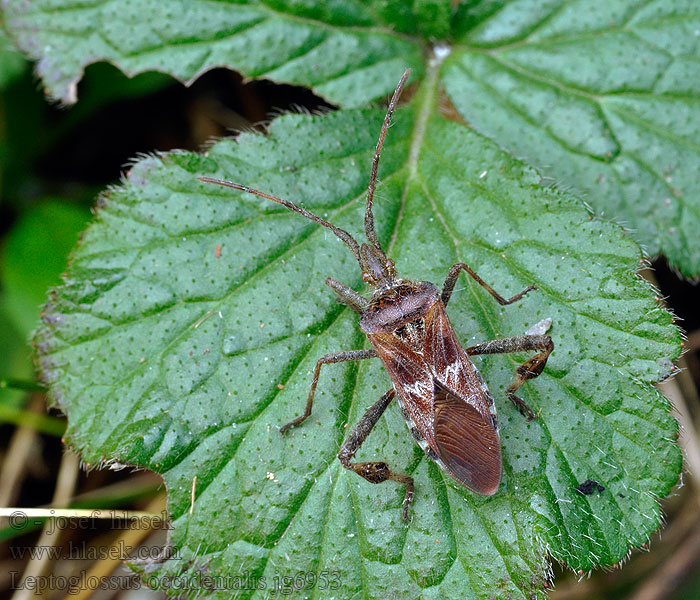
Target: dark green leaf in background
<point x="604" y="97"/>
<point x="15" y="360"/>
<point x="34" y="257"/>
<point x="191" y="318"/>
<point x="282" y="41"/>
<point x="12" y="63"/>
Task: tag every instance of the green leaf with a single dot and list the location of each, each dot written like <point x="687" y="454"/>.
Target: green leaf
<point x="34" y="256"/>
<point x="192" y="317"/>
<point x="12" y="63"/>
<point x="15" y="360"/>
<point x="288" y="41"/>
<point x="603" y="97"/>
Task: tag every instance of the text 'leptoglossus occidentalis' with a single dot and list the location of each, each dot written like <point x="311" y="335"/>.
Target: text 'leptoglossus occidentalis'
<point x="442" y="395"/>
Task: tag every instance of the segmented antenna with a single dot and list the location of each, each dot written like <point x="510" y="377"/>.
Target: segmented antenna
<point x="369" y="217"/>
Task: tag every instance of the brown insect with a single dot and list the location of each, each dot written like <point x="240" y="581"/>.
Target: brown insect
<point x="441" y="394"/>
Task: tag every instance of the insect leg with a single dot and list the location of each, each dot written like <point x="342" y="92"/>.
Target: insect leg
<point x="335" y="357"/>
<point x="374" y="472"/>
<point x="348" y="296"/>
<point x="451" y="279"/>
<point x="528" y="370"/>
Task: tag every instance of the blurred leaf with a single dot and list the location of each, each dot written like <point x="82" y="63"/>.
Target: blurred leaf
<point x="34" y="257"/>
<point x="12" y="63"/>
<point x="690" y="589"/>
<point x="38" y="422"/>
<point x="603" y="97"/>
<point x="192" y="316"/>
<point x="286" y="41"/>
<point x="25" y="128"/>
<point x="15" y="358"/>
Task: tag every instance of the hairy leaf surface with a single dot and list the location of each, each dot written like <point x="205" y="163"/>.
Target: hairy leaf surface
<point x="601" y="96"/>
<point x="282" y="40"/>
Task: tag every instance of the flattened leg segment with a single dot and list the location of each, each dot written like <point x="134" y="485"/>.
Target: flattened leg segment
<point x="528" y="370"/>
<point x="374" y="472"/>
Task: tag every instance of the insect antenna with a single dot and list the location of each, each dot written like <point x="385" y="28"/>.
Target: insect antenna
<point x="340" y="233"/>
<point x="369" y="217"/>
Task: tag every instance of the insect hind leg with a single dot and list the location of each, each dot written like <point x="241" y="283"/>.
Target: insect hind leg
<point x="374" y="472"/>
<point x="528" y="370"/>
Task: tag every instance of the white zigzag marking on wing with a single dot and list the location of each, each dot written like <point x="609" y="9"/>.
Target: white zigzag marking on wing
<point x="451" y="373"/>
<point x="419" y="388"/>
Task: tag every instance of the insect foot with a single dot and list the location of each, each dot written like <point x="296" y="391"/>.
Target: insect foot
<point x="379" y="472"/>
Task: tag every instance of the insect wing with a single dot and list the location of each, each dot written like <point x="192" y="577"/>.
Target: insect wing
<point x="467" y="443"/>
<point x="412" y="379"/>
<point x="465" y="435"/>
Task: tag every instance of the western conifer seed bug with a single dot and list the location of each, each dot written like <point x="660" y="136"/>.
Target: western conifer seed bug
<point x="442" y="396"/>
